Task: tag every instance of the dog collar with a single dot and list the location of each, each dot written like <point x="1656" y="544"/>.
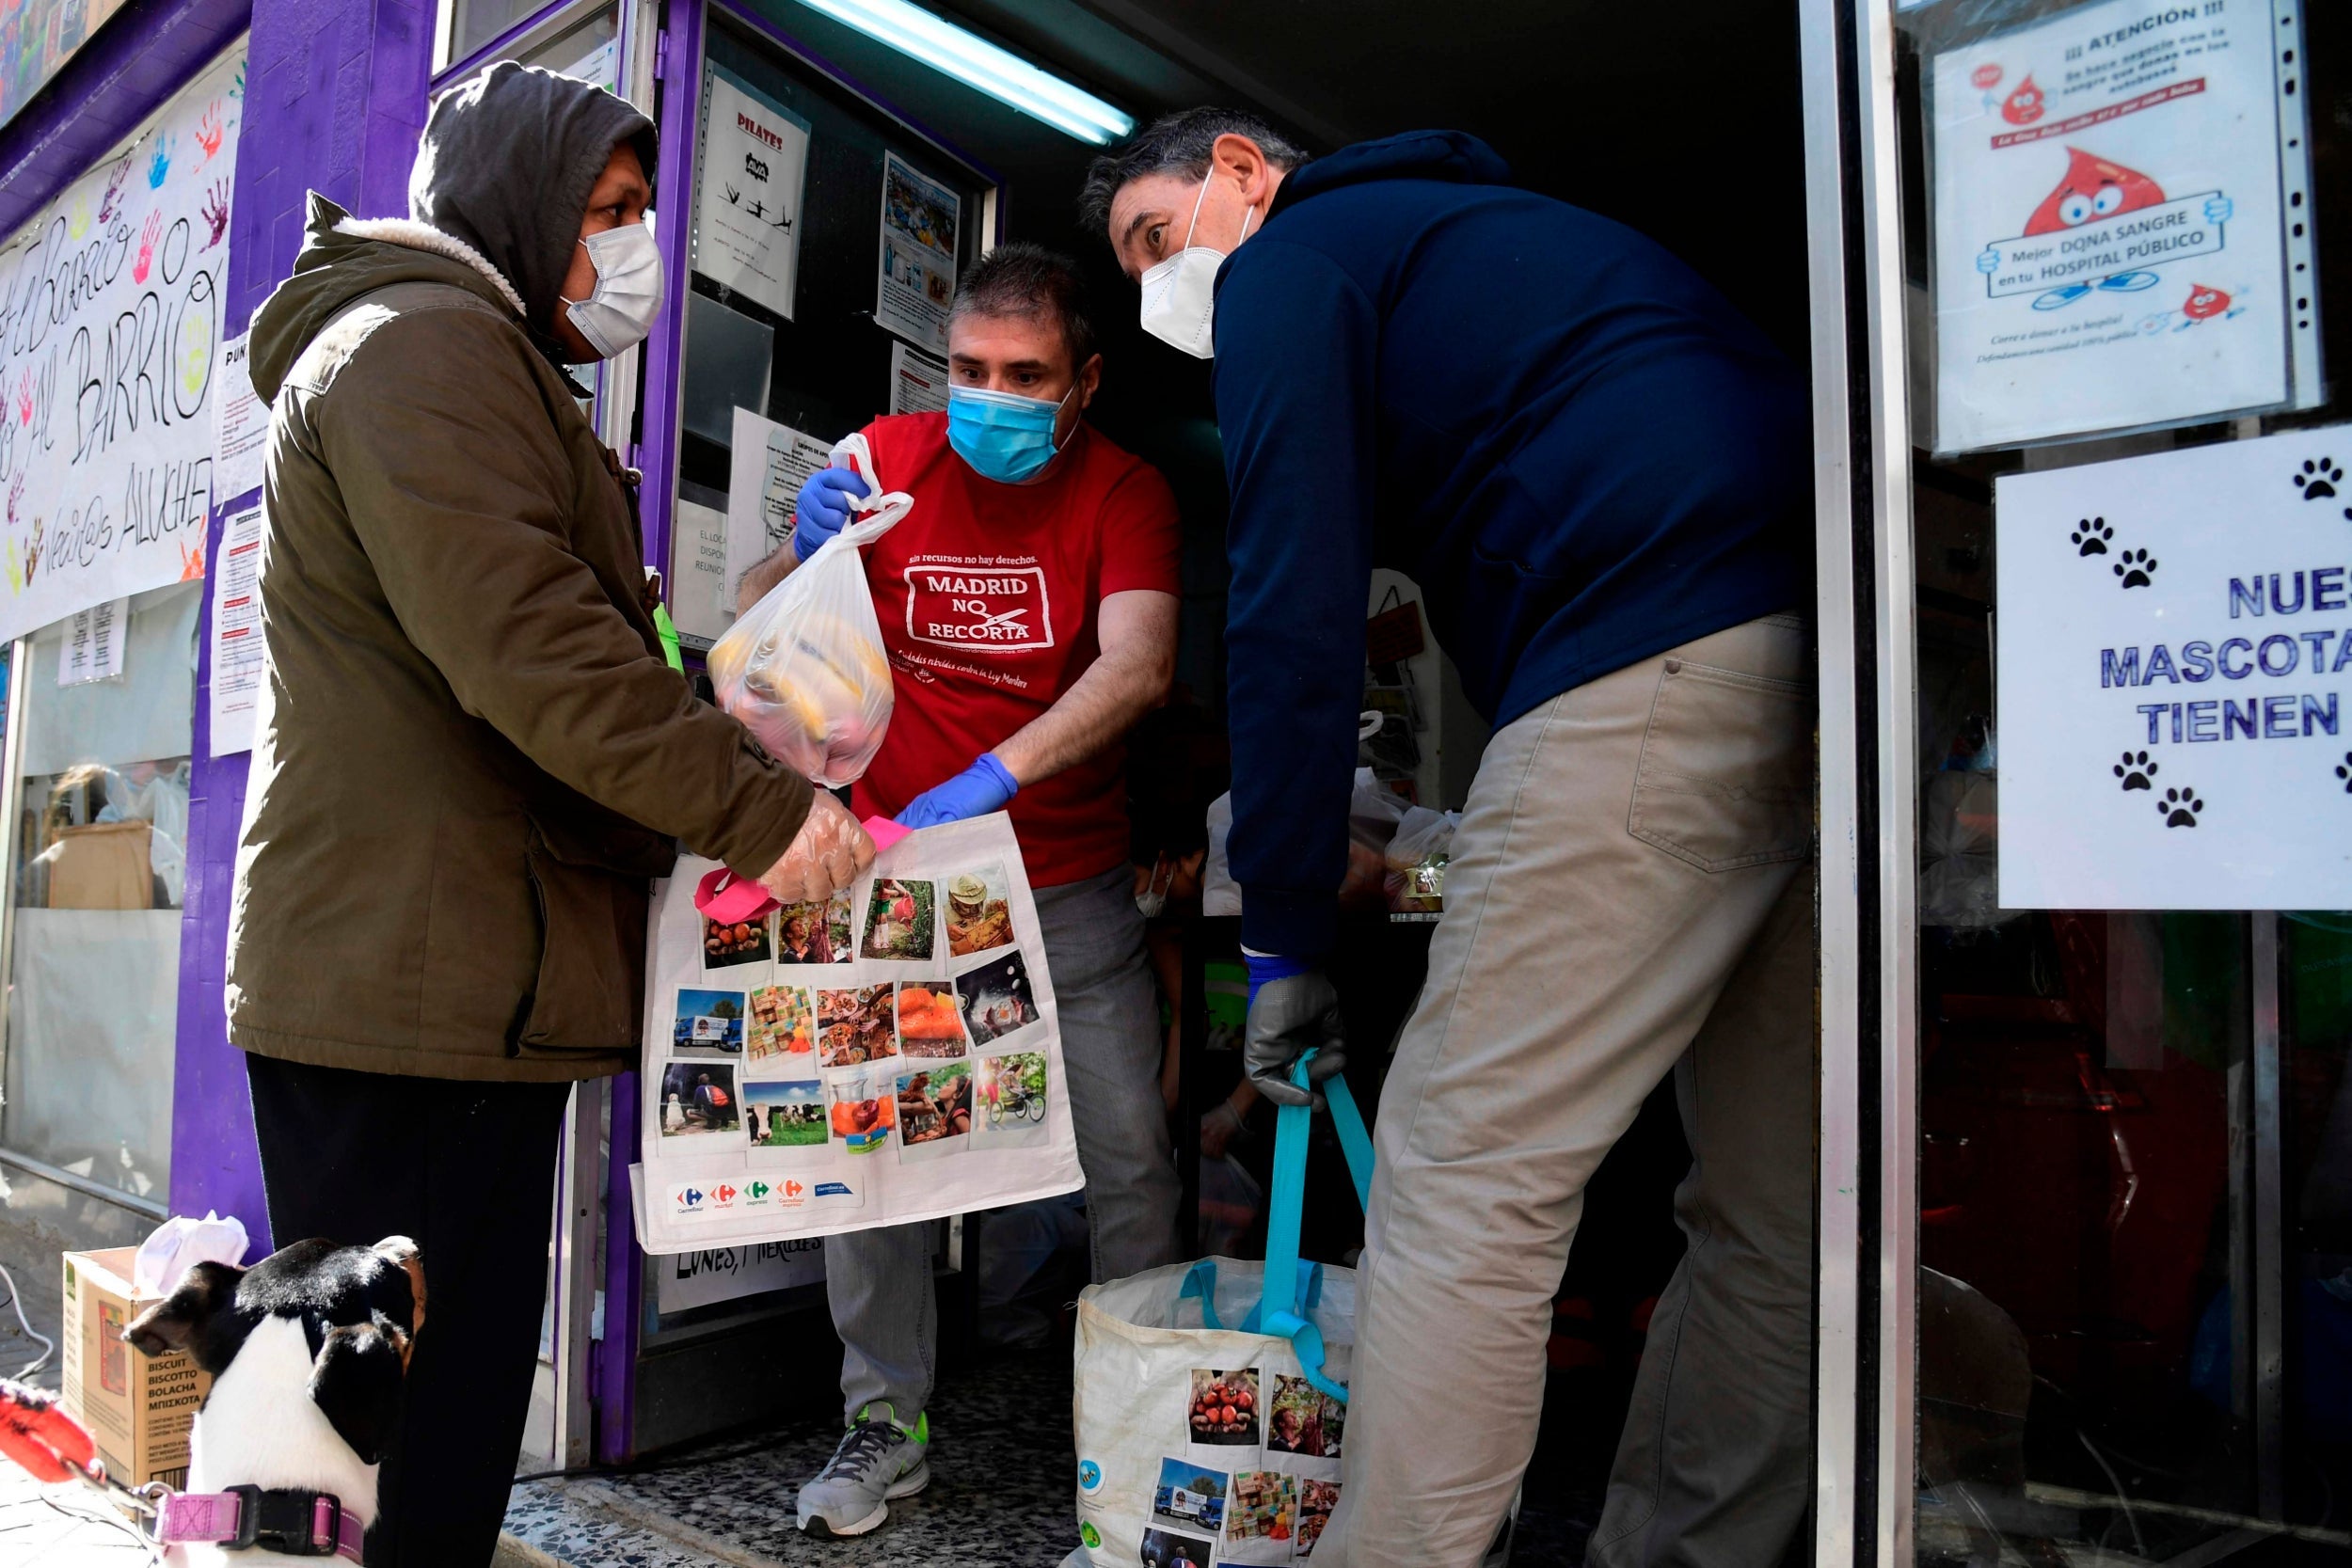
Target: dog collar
<point x="287" y="1520"/>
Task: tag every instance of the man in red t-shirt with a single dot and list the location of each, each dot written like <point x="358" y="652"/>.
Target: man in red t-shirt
<point x="1028" y="603"/>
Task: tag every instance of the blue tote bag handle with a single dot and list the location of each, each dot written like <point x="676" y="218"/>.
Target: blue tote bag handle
<point x="1286" y="1213"/>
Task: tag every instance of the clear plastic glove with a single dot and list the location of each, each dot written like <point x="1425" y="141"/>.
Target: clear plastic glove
<point x="984" y="787"/>
<point x="824" y="507"/>
<point x="830" y="852"/>
<point x="1293" y="1008"/>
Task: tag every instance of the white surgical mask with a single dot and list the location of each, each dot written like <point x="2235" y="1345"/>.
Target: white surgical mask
<point x="1179" y="294"/>
<point x="619" y="311"/>
<point x="1153" y="900"/>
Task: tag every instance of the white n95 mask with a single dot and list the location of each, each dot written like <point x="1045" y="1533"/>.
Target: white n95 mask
<point x="620" y="309"/>
<point x="1179" y="294"/>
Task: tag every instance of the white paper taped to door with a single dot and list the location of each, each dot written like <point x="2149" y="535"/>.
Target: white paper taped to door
<point x="892" y="1055"/>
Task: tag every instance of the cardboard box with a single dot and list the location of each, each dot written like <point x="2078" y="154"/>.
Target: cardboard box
<point x="138" y="1407"/>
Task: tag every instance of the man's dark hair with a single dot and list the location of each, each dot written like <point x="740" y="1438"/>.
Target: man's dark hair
<point x="1175" y="143"/>
<point x="1031" y="283"/>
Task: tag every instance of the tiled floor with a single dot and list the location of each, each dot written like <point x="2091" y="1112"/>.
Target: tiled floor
<point x="1000" y="1492"/>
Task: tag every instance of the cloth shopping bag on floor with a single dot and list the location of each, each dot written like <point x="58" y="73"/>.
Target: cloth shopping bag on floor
<point x="1212" y="1397"/>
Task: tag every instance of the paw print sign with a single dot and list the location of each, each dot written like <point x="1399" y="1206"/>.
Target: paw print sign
<point x="2137" y="568"/>
<point x="2090" y="536"/>
<point x="2137" y="771"/>
<point x="2180" y="808"/>
<point x="2318" y="479"/>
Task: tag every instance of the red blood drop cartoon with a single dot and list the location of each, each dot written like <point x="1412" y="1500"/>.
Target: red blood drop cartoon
<point x="2204" y="301"/>
<point x="1986" y="75"/>
<point x="2094" y="188"/>
<point x="2024" y="105"/>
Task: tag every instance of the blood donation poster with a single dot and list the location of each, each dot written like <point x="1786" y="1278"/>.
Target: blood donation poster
<point x="2110" y="249"/>
<point x="2175" y="680"/>
<point x="754" y="160"/>
<point x="111" y="305"/>
<point x="918" y="256"/>
<point x="892" y="1054"/>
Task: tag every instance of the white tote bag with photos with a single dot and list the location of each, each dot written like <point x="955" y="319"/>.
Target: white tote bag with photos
<point x="1212" y="1397"/>
<point x="888" y="1056"/>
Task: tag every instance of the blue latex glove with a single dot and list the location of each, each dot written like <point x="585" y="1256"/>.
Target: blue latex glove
<point x="984" y="787"/>
<point x="823" y="508"/>
<point x="1292" y="1008"/>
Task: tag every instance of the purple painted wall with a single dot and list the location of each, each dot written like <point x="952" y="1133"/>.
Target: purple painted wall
<point x="335" y="95"/>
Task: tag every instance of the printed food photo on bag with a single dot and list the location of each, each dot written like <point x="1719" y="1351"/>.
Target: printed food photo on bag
<point x="732" y="944"/>
<point x="1011" y="1111"/>
<point x="706" y="1022"/>
<point x="1316" y="1499"/>
<point x="782" y="1025"/>
<point x="698" y="1097"/>
<point x="816" y="933"/>
<point x="1190" y="1497"/>
<point x="996" y="999"/>
<point x="928" y="1023"/>
<point x="978" y="916"/>
<point x="899" y="919"/>
<point x="1224" y="1408"/>
<point x="785" y="1114"/>
<point x="854" y="1025"/>
<point x="862" y="1108"/>
<point x="1261" y="1517"/>
<point x="934" y="1111"/>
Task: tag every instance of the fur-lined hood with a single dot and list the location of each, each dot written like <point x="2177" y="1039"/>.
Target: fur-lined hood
<point x="342" y="258"/>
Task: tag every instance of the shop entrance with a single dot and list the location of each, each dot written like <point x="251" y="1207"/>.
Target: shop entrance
<point x="1585" y="109"/>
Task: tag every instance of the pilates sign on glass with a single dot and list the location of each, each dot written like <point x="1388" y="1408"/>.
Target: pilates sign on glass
<point x="2174" y="677"/>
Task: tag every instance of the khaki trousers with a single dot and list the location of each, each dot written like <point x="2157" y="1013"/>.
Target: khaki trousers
<point x="1628" y="897"/>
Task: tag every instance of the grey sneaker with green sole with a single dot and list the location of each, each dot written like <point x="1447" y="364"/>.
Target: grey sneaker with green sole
<point x="876" y="1461"/>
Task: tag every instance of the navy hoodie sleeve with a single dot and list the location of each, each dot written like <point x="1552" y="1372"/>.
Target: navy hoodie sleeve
<point x="1296" y="341"/>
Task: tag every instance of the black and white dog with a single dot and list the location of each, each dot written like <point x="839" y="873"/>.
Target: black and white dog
<point x="309" y="1355"/>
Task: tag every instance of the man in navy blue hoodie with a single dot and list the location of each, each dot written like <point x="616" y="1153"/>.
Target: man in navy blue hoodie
<point x="1597" y="472"/>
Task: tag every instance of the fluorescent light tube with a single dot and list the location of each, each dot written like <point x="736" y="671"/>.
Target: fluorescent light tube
<point x="976" y="62"/>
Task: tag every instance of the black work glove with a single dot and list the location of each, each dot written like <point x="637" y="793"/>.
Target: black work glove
<point x="1293" y="1009"/>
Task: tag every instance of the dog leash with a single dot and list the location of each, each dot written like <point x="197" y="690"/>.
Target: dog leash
<point x="51" y="1446"/>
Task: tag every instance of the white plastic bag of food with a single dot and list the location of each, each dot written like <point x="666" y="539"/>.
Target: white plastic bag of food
<point x="805" y="668"/>
<point x="1416" y="858"/>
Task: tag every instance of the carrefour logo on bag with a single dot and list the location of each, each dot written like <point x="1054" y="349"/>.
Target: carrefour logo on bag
<point x="969" y="606"/>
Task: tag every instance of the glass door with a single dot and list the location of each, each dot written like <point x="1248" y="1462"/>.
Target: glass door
<point x="2118" y="1138"/>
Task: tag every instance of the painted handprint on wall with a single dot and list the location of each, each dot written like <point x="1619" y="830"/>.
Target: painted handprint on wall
<point x="148" y="236"/>
<point x="77" y="220"/>
<point x="24" y="416"/>
<point x="209" y="131"/>
<point x="159" y="166"/>
<point x="216" y="213"/>
<point x="113" y="203"/>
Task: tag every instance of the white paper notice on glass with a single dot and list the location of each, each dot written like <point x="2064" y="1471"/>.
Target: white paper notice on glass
<point x="242" y="433"/>
<point x="698" y="606"/>
<point x="747" y="221"/>
<point x="918" y="255"/>
<point x="767" y="464"/>
<point x="92" y="649"/>
<point x="2110" y="248"/>
<point x="237" y="632"/>
<point x="918" y="383"/>
<point x="2175" y="679"/>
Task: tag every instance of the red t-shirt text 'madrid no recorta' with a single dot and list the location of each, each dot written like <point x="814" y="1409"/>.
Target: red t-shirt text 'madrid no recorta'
<point x="986" y="595"/>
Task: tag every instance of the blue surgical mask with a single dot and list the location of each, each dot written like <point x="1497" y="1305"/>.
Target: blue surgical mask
<point x="1004" y="435"/>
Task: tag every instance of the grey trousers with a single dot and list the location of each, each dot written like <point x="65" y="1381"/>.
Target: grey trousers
<point x="879" y="1282"/>
<point x="1628" y="897"/>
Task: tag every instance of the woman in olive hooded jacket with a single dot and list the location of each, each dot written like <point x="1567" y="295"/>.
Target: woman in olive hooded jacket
<point x="471" y="756"/>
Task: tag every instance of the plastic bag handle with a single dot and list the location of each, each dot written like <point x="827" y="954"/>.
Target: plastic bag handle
<point x="1286" y="1215"/>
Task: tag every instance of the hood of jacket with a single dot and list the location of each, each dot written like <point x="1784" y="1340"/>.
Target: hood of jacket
<point x="342" y="258"/>
<point x="506" y="163"/>
<point x="1454" y="156"/>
